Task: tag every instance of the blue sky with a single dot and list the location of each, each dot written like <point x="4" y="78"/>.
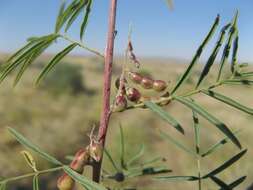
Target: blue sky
<point x="156" y="30"/>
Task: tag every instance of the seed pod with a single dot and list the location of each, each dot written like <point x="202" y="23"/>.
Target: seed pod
<point x="147" y="82"/>
<point x="95" y="151"/>
<point x="159" y="85"/>
<point x="133" y="94"/>
<point x="80" y="160"/>
<point x="145" y="98"/>
<point x="120" y="103"/>
<point x="117" y="85"/>
<point x="135" y="77"/>
<point x="65" y="182"/>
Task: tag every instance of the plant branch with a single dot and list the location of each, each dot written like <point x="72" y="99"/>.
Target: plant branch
<point x="106" y="112"/>
<point x="80" y="44"/>
<point x="32" y="174"/>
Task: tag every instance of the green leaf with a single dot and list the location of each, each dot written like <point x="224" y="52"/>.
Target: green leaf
<point x="238" y="81"/>
<point x="65" y="14"/>
<point x="237" y="182"/>
<point x="111" y="160"/>
<point x="20" y="138"/>
<point x="29" y="61"/>
<point x="234" y="54"/>
<point x="77" y="12"/>
<point x="86" y="18"/>
<point x="24" y="55"/>
<point x="178" y="144"/>
<point x="60" y="16"/>
<point x="149" y="171"/>
<point x="55" y="60"/>
<point x="36" y="183"/>
<point x="217" y="145"/>
<point x="213" y="56"/>
<point x="164" y="115"/>
<point x="122" y="148"/>
<point x="227" y="47"/>
<point x="196" y="57"/>
<point x="247" y="74"/>
<point x="228" y="101"/>
<point x="196" y="131"/>
<point x="226" y="164"/>
<point x="220" y="183"/>
<point x="85" y="182"/>
<point x="221" y="126"/>
<point x="177" y="178"/>
<point x="136" y="156"/>
<point x="19" y="60"/>
<point x="20" y="51"/>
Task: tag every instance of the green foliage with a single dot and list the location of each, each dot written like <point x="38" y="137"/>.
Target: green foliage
<point x="25" y="142"/>
<point x="187" y="72"/>
<point x="70" y="78"/>
<point x="164" y="115"/>
<point x="68" y="14"/>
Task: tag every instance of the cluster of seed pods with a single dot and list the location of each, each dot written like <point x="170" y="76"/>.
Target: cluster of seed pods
<point x="82" y="158"/>
<point x="132" y="94"/>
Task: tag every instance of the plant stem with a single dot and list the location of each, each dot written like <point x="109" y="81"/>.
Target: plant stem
<point x="31" y="174"/>
<point x="106" y="112"/>
<point x="199" y="171"/>
<point x="80" y="44"/>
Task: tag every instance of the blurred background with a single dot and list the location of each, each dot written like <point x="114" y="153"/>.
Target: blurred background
<point x="58" y="114"/>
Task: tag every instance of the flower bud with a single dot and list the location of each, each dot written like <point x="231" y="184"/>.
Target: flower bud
<point x="133" y="94"/>
<point x="120" y="103"/>
<point x="65" y="182"/>
<point x="159" y="85"/>
<point x="135" y="77"/>
<point x="119" y="177"/>
<point x="147" y="83"/>
<point x="95" y="151"/>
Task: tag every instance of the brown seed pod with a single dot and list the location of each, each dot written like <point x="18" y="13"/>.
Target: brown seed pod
<point x="133" y="94"/>
<point x="81" y="158"/>
<point x="120" y="103"/>
<point x="147" y="82"/>
<point x="159" y="85"/>
<point x="135" y="77"/>
<point x="65" y="182"/>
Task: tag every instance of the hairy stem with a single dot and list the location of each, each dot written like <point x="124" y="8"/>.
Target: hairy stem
<point x="31" y="174"/>
<point x="106" y="112"/>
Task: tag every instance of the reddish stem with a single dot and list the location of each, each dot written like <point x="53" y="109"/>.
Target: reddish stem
<point x="105" y="115"/>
